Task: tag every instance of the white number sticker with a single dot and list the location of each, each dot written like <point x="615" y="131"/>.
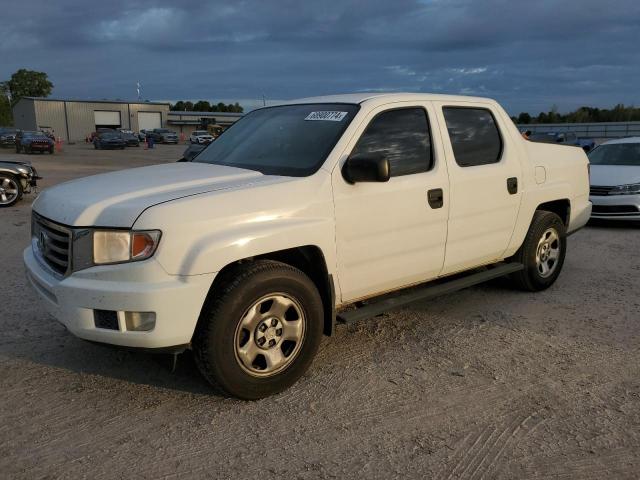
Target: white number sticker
<point x="327" y="116"/>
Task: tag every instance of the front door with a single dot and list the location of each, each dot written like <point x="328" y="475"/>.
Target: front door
<point x="391" y="234"/>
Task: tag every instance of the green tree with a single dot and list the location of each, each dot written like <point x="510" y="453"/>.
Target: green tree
<point x="524" y="118"/>
<point x="202" y="106"/>
<point x="179" y="105"/>
<point x="6" y="118"/>
<point x="28" y="83"/>
<point x="188" y="106"/>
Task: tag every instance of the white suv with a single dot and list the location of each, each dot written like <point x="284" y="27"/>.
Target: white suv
<point x="201" y="137"/>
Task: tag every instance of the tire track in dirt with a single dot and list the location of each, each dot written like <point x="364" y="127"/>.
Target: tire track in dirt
<point x="477" y="459"/>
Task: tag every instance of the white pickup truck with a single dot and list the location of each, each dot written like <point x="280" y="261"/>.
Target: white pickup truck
<point x="304" y="215"/>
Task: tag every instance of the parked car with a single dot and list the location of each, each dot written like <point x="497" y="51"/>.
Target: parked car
<point x="130" y="139"/>
<point x="564" y="138"/>
<point x="615" y="180"/>
<point x="109" y="140"/>
<point x="280" y="228"/>
<point x="191" y="152"/>
<point x="33" y="141"/>
<point x="162" y="135"/>
<point x="16" y="179"/>
<point x="8" y="137"/>
<point x="201" y="137"/>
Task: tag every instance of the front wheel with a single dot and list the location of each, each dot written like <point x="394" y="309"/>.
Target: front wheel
<point x="259" y="332"/>
<point x="10" y="190"/>
<point x="542" y="252"/>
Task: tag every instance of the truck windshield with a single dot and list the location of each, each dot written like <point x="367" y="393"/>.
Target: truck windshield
<point x="288" y="140"/>
<point x="616" y="154"/>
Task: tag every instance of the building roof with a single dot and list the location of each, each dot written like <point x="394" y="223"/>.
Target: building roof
<point x="129" y="102"/>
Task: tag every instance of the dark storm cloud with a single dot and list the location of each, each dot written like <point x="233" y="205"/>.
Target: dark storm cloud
<point x="530" y="55"/>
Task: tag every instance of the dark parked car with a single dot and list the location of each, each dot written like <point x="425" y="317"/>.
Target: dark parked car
<point x="16" y="178"/>
<point x="192" y="152"/>
<point x="130" y="139"/>
<point x="162" y="135"/>
<point x="32" y="141"/>
<point x="110" y="139"/>
<point x="8" y="137"/>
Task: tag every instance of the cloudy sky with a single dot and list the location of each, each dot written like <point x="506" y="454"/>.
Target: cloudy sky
<point x="529" y="55"/>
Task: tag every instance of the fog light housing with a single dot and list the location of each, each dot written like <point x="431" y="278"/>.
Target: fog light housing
<point x="140" y="321"/>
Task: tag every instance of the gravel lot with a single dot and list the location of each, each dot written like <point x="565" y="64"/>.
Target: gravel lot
<point x="485" y="383"/>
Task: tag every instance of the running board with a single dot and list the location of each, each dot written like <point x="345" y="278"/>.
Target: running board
<point x="427" y="291"/>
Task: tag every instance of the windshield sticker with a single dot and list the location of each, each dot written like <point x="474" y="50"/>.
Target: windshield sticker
<point x="327" y="116"/>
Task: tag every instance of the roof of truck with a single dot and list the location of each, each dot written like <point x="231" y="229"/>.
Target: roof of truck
<point x="395" y="97"/>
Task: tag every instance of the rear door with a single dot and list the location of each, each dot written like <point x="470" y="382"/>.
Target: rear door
<point x="387" y="234"/>
<point x="485" y="178"/>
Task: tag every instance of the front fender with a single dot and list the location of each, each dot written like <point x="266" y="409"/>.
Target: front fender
<point x="204" y="233"/>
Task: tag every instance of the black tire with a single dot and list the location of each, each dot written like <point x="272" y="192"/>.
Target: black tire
<point x="532" y="278"/>
<point x="216" y="340"/>
<point x="18" y="185"/>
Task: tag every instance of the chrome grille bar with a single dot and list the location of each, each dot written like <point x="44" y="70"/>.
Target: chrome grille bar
<point x="53" y="241"/>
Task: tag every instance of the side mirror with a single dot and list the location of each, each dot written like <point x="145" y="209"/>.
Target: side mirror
<point x="366" y="169"/>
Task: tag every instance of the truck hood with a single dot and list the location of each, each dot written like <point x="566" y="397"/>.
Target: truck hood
<point x="612" y="175"/>
<point x="116" y="199"/>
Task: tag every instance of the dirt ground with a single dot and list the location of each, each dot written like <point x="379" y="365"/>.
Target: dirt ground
<point x="485" y="383"/>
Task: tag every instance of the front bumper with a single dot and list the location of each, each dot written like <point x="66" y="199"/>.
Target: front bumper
<point x="616" y="207"/>
<point x="169" y="140"/>
<point x="39" y="146"/>
<point x="134" y="287"/>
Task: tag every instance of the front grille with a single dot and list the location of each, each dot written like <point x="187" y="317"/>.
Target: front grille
<point x="600" y="191"/>
<point x="53" y="242"/>
<point x="614" y="209"/>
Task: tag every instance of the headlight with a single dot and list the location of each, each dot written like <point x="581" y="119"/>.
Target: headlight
<point x="631" y="189"/>
<point x="116" y="246"/>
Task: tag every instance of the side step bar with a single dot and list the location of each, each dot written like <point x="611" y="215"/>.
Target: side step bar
<point x="427" y="291"/>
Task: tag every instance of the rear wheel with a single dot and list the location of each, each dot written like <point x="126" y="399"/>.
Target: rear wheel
<point x="542" y="252"/>
<point x="259" y="333"/>
<point x="10" y="189"/>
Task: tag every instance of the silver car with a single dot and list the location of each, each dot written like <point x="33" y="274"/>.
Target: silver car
<point x="615" y="180"/>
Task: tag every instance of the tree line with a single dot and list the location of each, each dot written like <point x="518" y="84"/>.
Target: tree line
<point x="204" y="106"/>
<point x="619" y="113"/>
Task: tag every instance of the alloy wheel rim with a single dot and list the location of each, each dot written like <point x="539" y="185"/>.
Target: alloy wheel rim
<point x="269" y="335"/>
<point x="548" y="252"/>
<point x="8" y="190"/>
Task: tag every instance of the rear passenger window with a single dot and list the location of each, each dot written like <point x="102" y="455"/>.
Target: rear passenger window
<point x="474" y="136"/>
<point x="403" y="137"/>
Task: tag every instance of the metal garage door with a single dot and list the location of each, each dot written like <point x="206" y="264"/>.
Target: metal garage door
<point x="107" y="119"/>
<point x="149" y="120"/>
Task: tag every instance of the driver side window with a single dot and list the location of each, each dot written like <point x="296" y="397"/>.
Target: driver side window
<point x="403" y="137"/>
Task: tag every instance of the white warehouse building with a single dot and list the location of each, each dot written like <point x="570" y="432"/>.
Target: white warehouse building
<point x="74" y="120"/>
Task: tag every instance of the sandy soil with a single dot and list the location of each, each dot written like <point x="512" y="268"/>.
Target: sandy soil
<point x="486" y="383"/>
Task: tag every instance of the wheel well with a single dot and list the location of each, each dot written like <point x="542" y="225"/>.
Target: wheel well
<point x="308" y="259"/>
<point x="562" y="208"/>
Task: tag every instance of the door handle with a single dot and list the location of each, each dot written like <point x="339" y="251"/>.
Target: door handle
<point x="512" y="185"/>
<point x="435" y="197"/>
